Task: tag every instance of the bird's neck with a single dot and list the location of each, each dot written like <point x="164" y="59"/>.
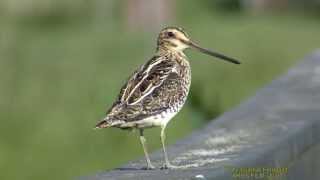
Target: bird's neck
<point x="164" y="50"/>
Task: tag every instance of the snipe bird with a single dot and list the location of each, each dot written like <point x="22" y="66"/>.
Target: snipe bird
<point x="156" y="92"/>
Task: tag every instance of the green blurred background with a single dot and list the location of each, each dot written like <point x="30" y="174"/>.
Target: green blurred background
<point x="62" y="64"/>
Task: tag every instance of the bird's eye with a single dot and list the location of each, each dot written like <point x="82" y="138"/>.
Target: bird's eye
<point x="170" y="34"/>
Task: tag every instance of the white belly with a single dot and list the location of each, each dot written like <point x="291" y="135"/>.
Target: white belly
<point x="160" y="120"/>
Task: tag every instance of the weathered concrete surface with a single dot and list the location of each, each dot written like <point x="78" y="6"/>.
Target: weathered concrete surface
<point x="278" y="127"/>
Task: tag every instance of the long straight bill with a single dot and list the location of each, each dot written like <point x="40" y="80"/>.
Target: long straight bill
<point x="212" y="53"/>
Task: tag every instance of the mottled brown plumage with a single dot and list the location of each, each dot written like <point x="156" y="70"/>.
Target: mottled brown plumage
<point x="157" y="90"/>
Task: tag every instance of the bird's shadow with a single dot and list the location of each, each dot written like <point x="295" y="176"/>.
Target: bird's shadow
<point x="134" y="169"/>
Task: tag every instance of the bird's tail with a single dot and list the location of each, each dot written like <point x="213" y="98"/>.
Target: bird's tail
<point x="108" y="122"/>
<point x="103" y="124"/>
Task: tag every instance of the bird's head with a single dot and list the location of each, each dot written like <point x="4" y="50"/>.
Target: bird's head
<point x="175" y="39"/>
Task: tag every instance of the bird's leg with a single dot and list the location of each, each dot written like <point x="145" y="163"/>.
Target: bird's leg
<point x="167" y="164"/>
<point x="145" y="150"/>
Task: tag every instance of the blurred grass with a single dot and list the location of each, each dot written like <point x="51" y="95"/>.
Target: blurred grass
<point x="57" y="81"/>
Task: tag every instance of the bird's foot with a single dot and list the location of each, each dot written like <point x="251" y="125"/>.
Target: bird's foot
<point x="149" y="167"/>
<point x="169" y="166"/>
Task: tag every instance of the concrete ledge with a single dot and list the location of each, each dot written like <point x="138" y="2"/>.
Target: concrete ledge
<point x="278" y="127"/>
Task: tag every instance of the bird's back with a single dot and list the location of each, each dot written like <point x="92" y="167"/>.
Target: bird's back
<point x="156" y="90"/>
